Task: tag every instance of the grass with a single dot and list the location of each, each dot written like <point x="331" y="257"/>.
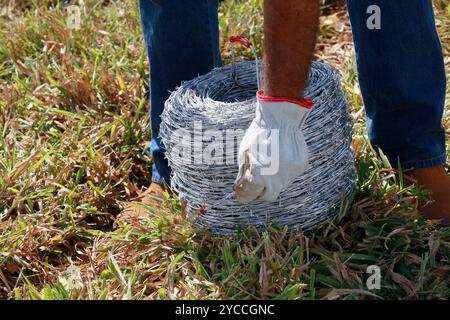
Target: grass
<point x="73" y="129"/>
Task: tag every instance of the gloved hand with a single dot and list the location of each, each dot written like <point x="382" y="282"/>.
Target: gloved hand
<point x="273" y="151"/>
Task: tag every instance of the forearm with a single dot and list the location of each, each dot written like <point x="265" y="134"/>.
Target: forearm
<point x="290" y="36"/>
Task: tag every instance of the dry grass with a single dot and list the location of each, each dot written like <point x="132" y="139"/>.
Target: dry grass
<point x="74" y="123"/>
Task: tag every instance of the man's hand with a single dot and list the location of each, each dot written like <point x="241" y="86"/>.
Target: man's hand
<point x="290" y="28"/>
<point x="273" y="151"/>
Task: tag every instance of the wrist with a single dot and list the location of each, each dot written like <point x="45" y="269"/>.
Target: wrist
<point x="303" y="103"/>
<point x="276" y="113"/>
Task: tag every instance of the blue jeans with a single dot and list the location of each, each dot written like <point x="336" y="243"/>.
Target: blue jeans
<point x="400" y="67"/>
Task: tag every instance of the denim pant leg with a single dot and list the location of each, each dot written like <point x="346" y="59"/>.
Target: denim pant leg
<point x="182" y="39"/>
<point x="402" y="78"/>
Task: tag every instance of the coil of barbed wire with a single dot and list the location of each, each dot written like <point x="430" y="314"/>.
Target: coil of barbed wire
<point x="202" y="125"/>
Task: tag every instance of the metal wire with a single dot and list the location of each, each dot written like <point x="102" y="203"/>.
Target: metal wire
<point x="219" y="103"/>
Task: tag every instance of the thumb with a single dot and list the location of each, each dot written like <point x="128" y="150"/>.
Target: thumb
<point x="245" y="188"/>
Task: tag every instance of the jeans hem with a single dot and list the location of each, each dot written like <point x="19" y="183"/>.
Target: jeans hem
<point x="157" y="178"/>
<point x="426" y="163"/>
<point x="158" y="181"/>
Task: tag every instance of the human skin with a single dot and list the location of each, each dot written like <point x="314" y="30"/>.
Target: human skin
<point x="290" y="30"/>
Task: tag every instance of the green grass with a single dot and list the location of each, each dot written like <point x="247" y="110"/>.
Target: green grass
<point x="74" y="124"/>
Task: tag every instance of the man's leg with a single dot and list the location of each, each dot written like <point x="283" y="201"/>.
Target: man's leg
<point x="182" y="40"/>
<point x="402" y="79"/>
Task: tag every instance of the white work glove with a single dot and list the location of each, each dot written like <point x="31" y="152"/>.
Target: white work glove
<point x="273" y="152"/>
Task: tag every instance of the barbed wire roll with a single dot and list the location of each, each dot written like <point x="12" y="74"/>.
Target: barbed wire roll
<point x="216" y="103"/>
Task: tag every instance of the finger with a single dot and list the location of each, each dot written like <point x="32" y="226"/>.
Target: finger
<point x="245" y="188"/>
<point x="247" y="191"/>
<point x="270" y="194"/>
<point x="243" y="168"/>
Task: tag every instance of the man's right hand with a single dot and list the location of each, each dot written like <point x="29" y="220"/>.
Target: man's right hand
<point x="273" y="152"/>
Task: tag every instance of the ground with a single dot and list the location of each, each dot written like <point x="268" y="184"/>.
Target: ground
<point x="74" y="125"/>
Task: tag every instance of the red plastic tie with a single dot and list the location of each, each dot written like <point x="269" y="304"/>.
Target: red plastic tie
<point x="242" y="40"/>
